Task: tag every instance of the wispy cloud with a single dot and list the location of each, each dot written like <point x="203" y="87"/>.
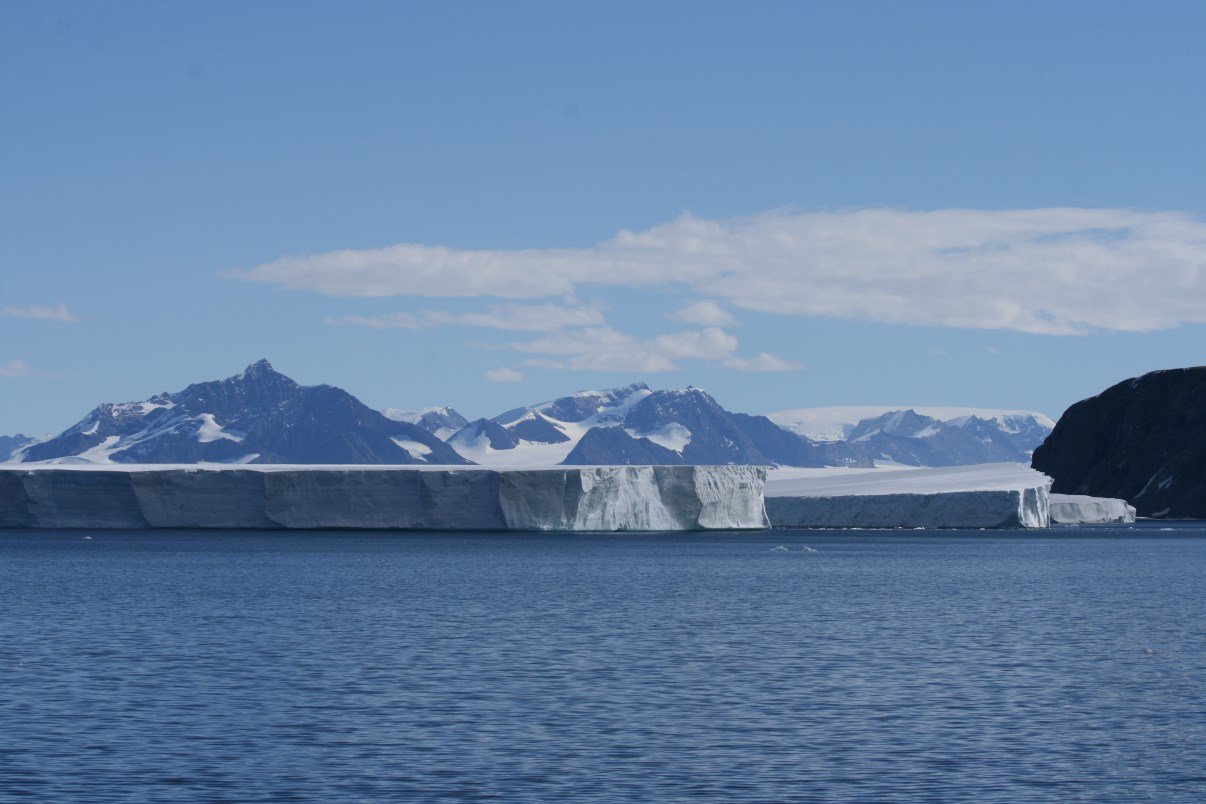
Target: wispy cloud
<point x="606" y="349"/>
<point x="504" y="375"/>
<point x="762" y="362"/>
<point x="518" y="317"/>
<point x="59" y="312"/>
<point x="1054" y="271"/>
<point x="387" y="321"/>
<point x="16" y="368"/>
<point x="704" y="313"/>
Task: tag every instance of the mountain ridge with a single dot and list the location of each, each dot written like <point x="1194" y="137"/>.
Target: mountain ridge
<point x="256" y="416"/>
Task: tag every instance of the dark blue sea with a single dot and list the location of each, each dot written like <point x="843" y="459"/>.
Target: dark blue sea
<point x="248" y="666"/>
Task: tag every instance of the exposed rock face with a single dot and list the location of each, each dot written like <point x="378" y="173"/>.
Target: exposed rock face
<point x="1076" y="509"/>
<point x="638" y="498"/>
<point x="1142" y="440"/>
<point x="258" y="415"/>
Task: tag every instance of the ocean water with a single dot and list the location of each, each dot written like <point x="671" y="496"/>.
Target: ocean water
<point x="245" y="666"/>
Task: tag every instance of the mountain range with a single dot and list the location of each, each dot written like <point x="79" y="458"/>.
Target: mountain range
<point x="635" y="425"/>
<point x="262" y="416"/>
<point x="924" y="436"/>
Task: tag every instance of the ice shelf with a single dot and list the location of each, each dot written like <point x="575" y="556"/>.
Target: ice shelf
<point x="587" y="498"/>
<point x="997" y="495"/>
<point x="1077" y="509"/>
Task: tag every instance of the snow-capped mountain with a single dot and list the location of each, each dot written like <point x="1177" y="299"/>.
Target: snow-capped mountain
<point x="441" y="422"/>
<point x="924" y="436"/>
<point x="256" y="416"/>
<point x="636" y="425"/>
<point x="546" y="433"/>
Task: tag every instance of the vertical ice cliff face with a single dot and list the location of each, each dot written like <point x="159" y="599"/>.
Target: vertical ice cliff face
<point x="1000" y="495"/>
<point x="605" y="498"/>
<point x="1077" y="509"/>
<point x="1009" y="508"/>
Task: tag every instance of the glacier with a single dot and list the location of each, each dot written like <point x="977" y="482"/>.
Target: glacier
<point x="587" y="498"/>
<point x="997" y="495"/>
<point x="1078" y="509"/>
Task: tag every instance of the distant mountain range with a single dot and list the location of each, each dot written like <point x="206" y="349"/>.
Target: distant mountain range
<point x="262" y="416"/>
<point x="924" y="436"/>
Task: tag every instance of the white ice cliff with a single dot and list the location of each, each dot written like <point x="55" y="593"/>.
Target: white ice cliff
<point x="1077" y="509"/>
<point x="589" y="498"/>
<point x="997" y="495"/>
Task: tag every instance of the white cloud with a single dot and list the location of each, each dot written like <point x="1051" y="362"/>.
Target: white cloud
<point x="519" y="317"/>
<point x="15" y="368"/>
<point x="388" y="321"/>
<point x="504" y="375"/>
<point x="41" y="312"/>
<point x="762" y="362"/>
<point x="704" y="313"/>
<point x="605" y="349"/>
<point x="1055" y="271"/>
<point x="703" y="344"/>
<point x="530" y="318"/>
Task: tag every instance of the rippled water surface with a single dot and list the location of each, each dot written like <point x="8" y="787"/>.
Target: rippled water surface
<point x="339" y="666"/>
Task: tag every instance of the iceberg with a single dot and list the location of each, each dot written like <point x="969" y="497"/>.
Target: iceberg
<point x="1078" y="509"/>
<point x="995" y="495"/>
<point x="588" y="498"/>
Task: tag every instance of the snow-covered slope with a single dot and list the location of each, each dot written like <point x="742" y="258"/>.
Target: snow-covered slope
<point x="924" y="436"/>
<point x="258" y="415"/>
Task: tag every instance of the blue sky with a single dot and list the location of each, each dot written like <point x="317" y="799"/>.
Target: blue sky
<point x="487" y="204"/>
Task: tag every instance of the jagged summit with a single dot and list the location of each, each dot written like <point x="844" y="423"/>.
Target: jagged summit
<point x="261" y="366"/>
